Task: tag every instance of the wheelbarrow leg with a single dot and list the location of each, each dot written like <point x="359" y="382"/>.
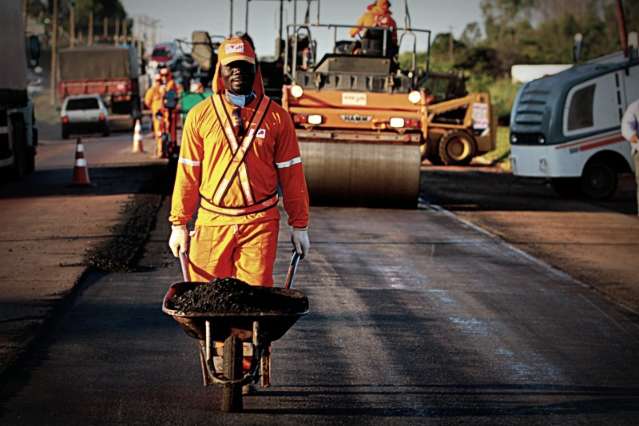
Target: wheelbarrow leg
<point x="232" y="392"/>
<point x="205" y="354"/>
<point x="264" y="351"/>
<point x="205" y="374"/>
<point x="265" y="367"/>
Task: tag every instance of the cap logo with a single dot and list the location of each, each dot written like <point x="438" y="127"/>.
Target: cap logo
<point x="234" y="48"/>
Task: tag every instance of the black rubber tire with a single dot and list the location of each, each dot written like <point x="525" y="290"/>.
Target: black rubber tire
<point x="428" y="151"/>
<point x="232" y="394"/>
<point x="457" y="148"/>
<point x="598" y="181"/>
<point x="106" y="131"/>
<point x="65" y="132"/>
<point x="19" y="146"/>
<point x="566" y="187"/>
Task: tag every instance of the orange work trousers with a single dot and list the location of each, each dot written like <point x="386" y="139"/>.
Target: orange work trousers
<point x="246" y="252"/>
<point x="157" y="133"/>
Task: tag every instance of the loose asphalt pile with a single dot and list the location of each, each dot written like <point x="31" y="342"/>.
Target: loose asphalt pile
<point x="229" y="295"/>
<point x="121" y="253"/>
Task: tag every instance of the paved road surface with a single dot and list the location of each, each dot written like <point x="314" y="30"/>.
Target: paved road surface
<point x="415" y="319"/>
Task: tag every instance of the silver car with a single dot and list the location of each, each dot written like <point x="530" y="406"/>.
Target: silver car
<point x="84" y="114"/>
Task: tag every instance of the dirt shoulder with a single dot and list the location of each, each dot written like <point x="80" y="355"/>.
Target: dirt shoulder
<point x="47" y="230"/>
<point x="596" y="243"/>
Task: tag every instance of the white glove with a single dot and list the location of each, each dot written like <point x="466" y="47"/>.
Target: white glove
<point x="179" y="240"/>
<point x="300" y="241"/>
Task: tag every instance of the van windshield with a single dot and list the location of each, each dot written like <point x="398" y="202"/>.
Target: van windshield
<point x="83" y="103"/>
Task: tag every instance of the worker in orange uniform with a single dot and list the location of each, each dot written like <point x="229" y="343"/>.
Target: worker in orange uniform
<point x="237" y="148"/>
<point x="169" y="113"/>
<point x="378" y="14"/>
<point x="153" y="99"/>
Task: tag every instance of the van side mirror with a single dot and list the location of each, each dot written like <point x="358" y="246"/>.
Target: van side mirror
<point x="33" y="51"/>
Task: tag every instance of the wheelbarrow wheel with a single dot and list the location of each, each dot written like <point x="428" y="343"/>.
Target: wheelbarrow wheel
<point x="232" y="393"/>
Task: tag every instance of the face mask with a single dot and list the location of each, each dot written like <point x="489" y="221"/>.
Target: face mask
<point x="239" y="100"/>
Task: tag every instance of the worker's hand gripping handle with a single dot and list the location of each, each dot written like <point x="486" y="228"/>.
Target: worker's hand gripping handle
<point x="292" y="269"/>
<point x="184" y="263"/>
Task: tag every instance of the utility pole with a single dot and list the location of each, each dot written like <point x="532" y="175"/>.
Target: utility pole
<point x="621" y="23"/>
<point x="90" y="33"/>
<point x="72" y="23"/>
<point x="279" y="40"/>
<point x="54" y="52"/>
<point x="451" y="54"/>
<point x="25" y="13"/>
<point x="125" y="30"/>
<point x="116" y="35"/>
<point x="105" y="29"/>
<point x="231" y="29"/>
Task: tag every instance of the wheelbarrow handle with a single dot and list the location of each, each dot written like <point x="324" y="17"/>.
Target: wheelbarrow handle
<point x="292" y="269"/>
<point x="184" y="263"/>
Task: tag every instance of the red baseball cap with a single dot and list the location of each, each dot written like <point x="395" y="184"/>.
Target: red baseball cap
<point x="235" y="49"/>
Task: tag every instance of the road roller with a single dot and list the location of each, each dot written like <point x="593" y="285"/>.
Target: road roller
<point x="359" y="117"/>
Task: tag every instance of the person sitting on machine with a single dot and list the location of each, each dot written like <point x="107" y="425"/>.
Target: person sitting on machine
<point x="377" y="14"/>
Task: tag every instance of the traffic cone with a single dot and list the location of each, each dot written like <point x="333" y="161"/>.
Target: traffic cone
<point x="80" y="169"/>
<point x="138" y="145"/>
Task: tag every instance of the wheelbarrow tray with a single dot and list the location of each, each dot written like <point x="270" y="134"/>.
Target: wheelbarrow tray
<point x="273" y="325"/>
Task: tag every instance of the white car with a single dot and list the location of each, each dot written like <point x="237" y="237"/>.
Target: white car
<point x="84" y="114"/>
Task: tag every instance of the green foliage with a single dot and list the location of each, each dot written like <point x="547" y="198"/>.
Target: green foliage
<point x="542" y="31"/>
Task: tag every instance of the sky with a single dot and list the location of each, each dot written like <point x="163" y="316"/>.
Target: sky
<point x="177" y="19"/>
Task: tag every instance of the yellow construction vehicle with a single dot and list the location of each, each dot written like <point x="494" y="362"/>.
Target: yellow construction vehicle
<point x="364" y="124"/>
<point x="461" y="125"/>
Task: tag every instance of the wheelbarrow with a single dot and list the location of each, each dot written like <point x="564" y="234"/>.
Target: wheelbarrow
<point x="246" y="333"/>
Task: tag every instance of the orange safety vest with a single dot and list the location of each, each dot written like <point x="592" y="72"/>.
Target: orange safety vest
<point x="237" y="167"/>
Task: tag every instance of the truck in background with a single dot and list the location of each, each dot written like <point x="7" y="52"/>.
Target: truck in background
<point x="112" y="72"/>
<point x="566" y="127"/>
<point x="18" y="134"/>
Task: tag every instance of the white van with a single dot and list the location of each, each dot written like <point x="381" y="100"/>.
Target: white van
<point x="566" y="127"/>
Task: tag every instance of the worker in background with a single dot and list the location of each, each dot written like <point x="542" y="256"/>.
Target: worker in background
<point x="169" y="111"/>
<point x="194" y="96"/>
<point x="377" y="14"/>
<point x="153" y="99"/>
<point x="236" y="150"/>
<point x="630" y="131"/>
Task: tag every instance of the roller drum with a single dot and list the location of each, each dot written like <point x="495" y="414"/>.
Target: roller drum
<point x="362" y="173"/>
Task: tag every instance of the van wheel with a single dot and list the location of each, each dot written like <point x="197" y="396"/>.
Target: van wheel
<point x="457" y="148"/>
<point x="566" y="187"/>
<point x="598" y="181"/>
